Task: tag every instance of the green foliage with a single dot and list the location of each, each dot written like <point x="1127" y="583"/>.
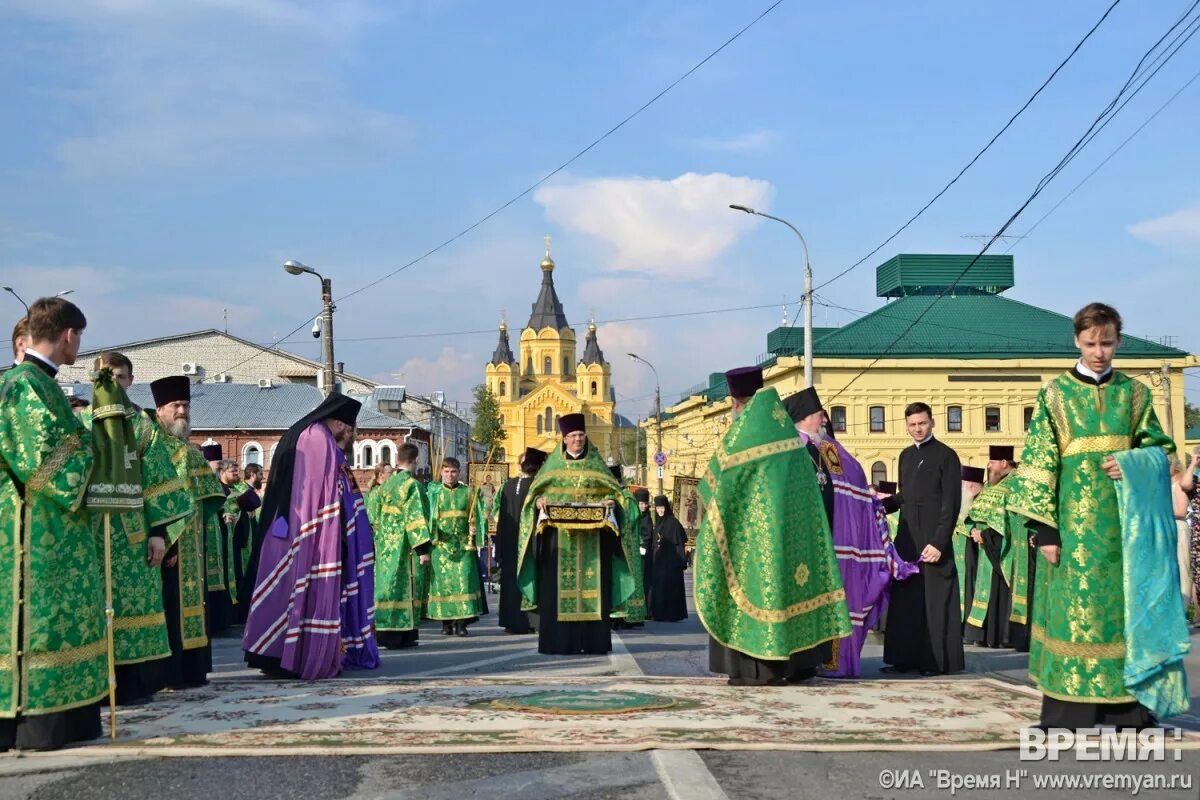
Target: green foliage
<point x="488" y="428"/>
<point x="1191" y="415"/>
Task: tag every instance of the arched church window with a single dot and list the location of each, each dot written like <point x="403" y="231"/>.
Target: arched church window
<point x="503" y="388"/>
<point x="529" y="365"/>
<point x="548" y="424"/>
<point x="566" y="366"/>
<point x="593" y="388"/>
<point x="548" y="365"/>
<point x="539" y="427"/>
<point x="878" y="472"/>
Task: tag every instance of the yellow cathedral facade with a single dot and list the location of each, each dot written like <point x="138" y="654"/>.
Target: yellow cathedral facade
<point x="545" y="381"/>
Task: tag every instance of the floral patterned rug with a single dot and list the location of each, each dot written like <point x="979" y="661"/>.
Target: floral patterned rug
<point x="480" y="715"/>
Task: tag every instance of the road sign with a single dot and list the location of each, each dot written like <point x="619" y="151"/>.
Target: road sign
<point x="660" y="459"/>
<point x="660" y="473"/>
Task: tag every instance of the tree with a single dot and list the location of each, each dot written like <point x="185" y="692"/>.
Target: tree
<point x="1191" y="416"/>
<point x="488" y="429"/>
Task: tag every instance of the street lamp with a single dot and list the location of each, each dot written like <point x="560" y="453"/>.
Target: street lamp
<point x="808" y="292"/>
<point x="657" y="416"/>
<point x="296" y="268"/>
<point x="13" y="292"/>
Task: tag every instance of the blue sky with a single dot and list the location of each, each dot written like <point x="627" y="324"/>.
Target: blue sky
<point x="163" y="160"/>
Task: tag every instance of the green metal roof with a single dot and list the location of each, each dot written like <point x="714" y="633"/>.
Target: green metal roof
<point x="1192" y="434"/>
<point x="788" y="341"/>
<point x="966" y="326"/>
<point x="925" y="273"/>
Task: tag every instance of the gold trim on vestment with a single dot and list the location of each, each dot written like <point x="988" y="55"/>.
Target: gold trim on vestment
<point x="1095" y="444"/>
<point x="449" y="514"/>
<point x="1080" y="698"/>
<point x="739" y="595"/>
<point x="51" y="466"/>
<point x="14" y="643"/>
<point x="1038" y="475"/>
<point x="159" y="489"/>
<point x="397" y="605"/>
<point x="727" y="461"/>
<point x="1092" y="650"/>
<point x="152" y="620"/>
<point x="66" y="656"/>
<point x="415" y="525"/>
<point x="454" y="598"/>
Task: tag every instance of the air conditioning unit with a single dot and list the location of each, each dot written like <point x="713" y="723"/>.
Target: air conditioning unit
<point x="190" y="368"/>
<point x="264" y="383"/>
<point x="224" y="377"/>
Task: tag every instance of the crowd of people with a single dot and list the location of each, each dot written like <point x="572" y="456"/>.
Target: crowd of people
<point x="1066" y="553"/>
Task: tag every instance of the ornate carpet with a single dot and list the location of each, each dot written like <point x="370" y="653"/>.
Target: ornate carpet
<point x="480" y="715"/>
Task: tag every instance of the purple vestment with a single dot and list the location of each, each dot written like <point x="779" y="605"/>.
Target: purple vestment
<point x="358" y="590"/>
<point x="296" y="610"/>
<point x="866" y="556"/>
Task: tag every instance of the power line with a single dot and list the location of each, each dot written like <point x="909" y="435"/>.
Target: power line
<point x="978" y="155"/>
<point x="1075" y="149"/>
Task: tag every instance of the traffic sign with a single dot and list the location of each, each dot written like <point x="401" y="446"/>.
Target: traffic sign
<point x="660" y="459"/>
<point x="660" y="473"/>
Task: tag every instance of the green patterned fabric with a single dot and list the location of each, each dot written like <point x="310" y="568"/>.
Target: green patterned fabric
<point x="400" y="527"/>
<point x="234" y="513"/>
<point x="989" y="511"/>
<point x="454" y="586"/>
<point x="195" y="535"/>
<point x="960" y="542"/>
<point x="139" y="627"/>
<point x="54" y="573"/>
<point x="767" y="579"/>
<point x="632" y="610"/>
<point x="586" y="481"/>
<point x="1077" y="647"/>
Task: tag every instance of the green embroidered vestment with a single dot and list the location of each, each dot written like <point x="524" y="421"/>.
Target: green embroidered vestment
<point x="400" y="527"/>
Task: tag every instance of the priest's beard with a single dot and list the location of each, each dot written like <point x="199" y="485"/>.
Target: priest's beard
<point x="968" y="499"/>
<point x="179" y="428"/>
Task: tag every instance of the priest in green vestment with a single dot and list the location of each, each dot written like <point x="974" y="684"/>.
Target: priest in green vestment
<point x="631" y="613"/>
<point x="767" y="584"/>
<point x="138" y="543"/>
<point x="53" y="654"/>
<point x="1067" y="487"/>
<point x="402" y="546"/>
<point x="457" y="530"/>
<point x="966" y="548"/>
<point x="571" y="563"/>
<point x="987" y="523"/>
<point x="188" y="573"/>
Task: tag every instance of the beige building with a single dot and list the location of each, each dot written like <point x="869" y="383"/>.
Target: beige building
<point x="976" y="357"/>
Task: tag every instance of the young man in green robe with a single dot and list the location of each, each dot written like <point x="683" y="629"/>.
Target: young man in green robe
<point x="53" y="655"/>
<point x="187" y="573"/>
<point x="138" y="544"/>
<point x="457" y="531"/>
<point x="1089" y="617"/>
<point x="631" y="613"/>
<point x="402" y="545"/>
<point x="767" y="584"/>
<point x="571" y="562"/>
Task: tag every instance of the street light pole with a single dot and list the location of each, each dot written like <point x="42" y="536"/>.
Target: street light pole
<point x="13" y="292"/>
<point x="657" y="414"/>
<point x="296" y="268"/>
<point x="808" y="293"/>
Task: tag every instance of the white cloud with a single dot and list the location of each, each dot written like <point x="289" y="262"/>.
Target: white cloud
<point x="671" y="229"/>
<point x="201" y="84"/>
<point x="1180" y="229"/>
<point x="758" y="141"/>
<point x="453" y="371"/>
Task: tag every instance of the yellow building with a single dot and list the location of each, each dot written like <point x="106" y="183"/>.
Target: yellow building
<point x="545" y="381"/>
<point x="976" y="357"/>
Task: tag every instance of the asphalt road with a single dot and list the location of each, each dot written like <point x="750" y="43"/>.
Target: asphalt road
<point x="677" y="649"/>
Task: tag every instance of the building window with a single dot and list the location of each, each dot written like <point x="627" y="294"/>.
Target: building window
<point x="566" y="366"/>
<point x="878" y="473"/>
<point x="367" y="456"/>
<point x="529" y="365"/>
<point x="548" y="364"/>
<point x="593" y="388"/>
<point x="385" y="453"/>
<point x="991" y="419"/>
<point x="548" y="422"/>
<point x="877" y="422"/>
<point x="594" y="420"/>
<point x="556" y="418"/>
<point x="252" y="454"/>
<point x="503" y="388"/>
<point x="1027" y="415"/>
<point x="954" y="419"/>
<point x="539" y="423"/>
<point x="837" y="418"/>
<point x="271" y="460"/>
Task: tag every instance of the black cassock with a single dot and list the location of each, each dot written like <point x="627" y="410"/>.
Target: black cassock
<point x="220" y="602"/>
<point x="668" y="595"/>
<point x="924" y="630"/>
<point x="995" y="630"/>
<point x="971" y="634"/>
<point x="508" y="529"/>
<point x="647" y="530"/>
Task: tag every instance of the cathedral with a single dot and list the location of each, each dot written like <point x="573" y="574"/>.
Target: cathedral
<point x="545" y="381"/>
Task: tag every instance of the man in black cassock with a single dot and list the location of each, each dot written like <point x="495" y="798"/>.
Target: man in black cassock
<point x="924" y="630"/>
<point x="509" y="503"/>
<point x="804" y="405"/>
<point x="670" y="561"/>
<point x="967" y="566"/>
<point x="998" y="630"/>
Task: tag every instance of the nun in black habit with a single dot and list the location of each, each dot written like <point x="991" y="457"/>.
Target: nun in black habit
<point x="670" y="539"/>
<point x="508" y="534"/>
